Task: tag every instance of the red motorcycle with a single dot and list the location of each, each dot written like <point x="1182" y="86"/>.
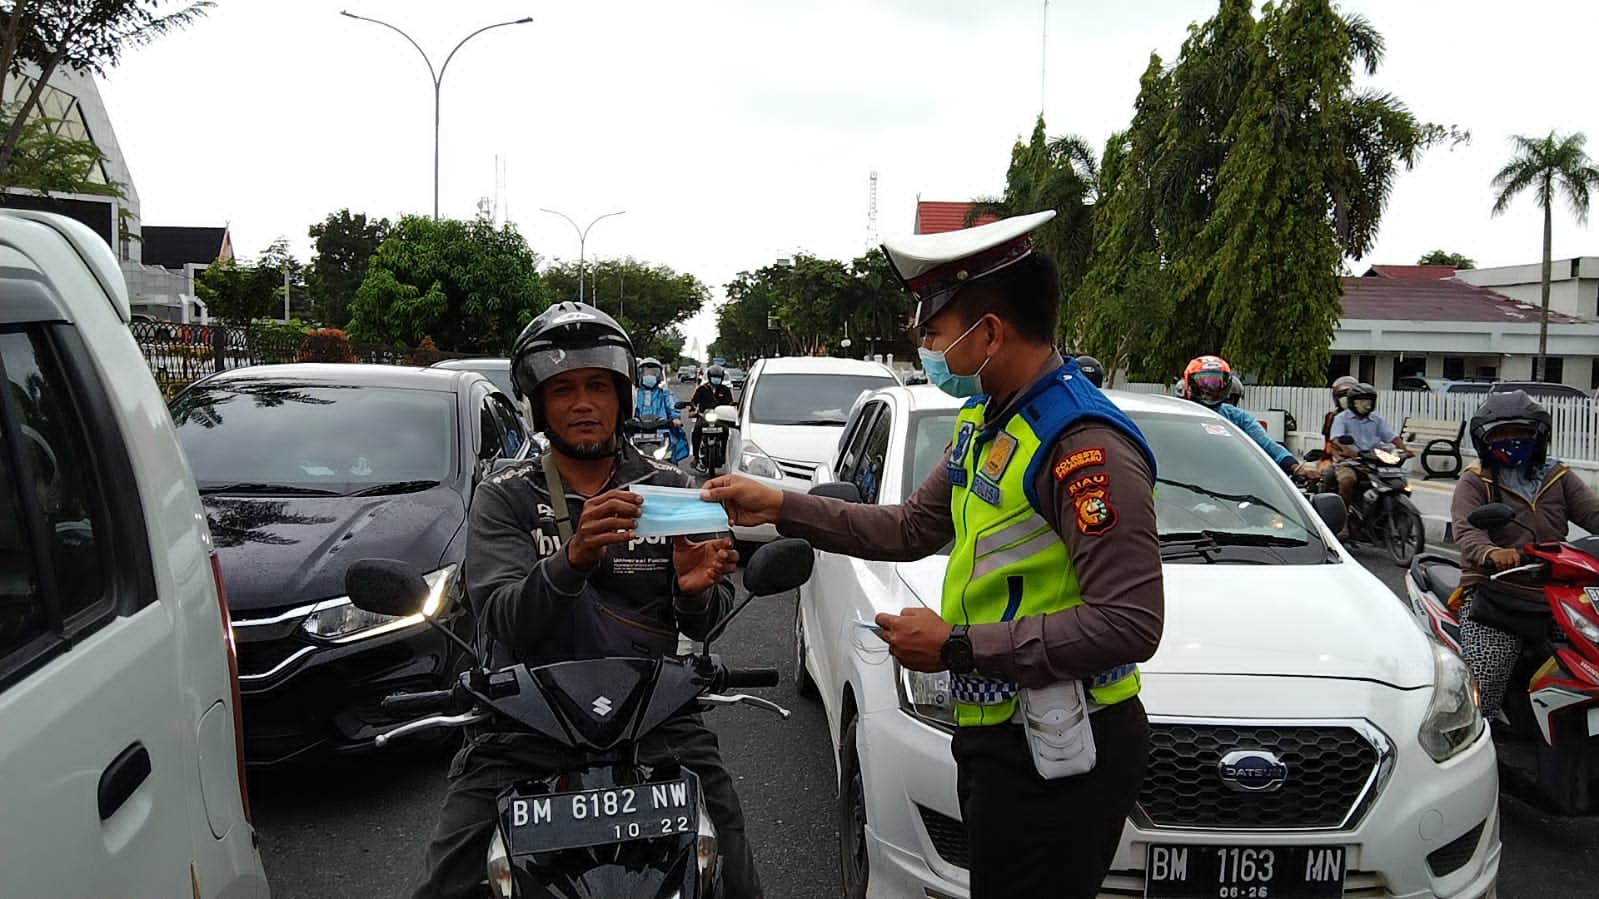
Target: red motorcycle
<point x="1551" y="750"/>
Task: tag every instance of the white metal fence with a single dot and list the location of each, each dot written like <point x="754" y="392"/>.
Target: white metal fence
<point x="1576" y="421"/>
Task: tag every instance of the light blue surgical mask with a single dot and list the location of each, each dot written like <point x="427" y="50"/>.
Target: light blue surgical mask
<point x="649" y="380"/>
<point x="716" y="382"/>
<point x="672" y="511"/>
<point x="938" y="374"/>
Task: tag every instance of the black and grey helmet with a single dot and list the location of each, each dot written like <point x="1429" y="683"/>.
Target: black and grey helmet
<point x="1359" y="392"/>
<point x="567" y="336"/>
<point x="716" y="371"/>
<point x="1092" y="370"/>
<point x="1513" y="407"/>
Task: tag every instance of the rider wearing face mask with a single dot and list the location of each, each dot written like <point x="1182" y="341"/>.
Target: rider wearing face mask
<point x="1368" y="429"/>
<point x="714" y="392"/>
<point x="1511" y="435"/>
<point x="1209" y="380"/>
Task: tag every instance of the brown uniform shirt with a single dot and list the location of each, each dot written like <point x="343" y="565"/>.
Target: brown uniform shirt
<point x="1116" y="557"/>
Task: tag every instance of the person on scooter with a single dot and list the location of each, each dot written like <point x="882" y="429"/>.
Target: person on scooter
<point x="653" y="398"/>
<point x="714" y="392"/>
<point x="554" y="572"/>
<point x="1368" y="429"/>
<point x="1208" y="380"/>
<point x="1510" y="433"/>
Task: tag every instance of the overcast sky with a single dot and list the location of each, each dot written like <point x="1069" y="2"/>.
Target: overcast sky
<point x="737" y="131"/>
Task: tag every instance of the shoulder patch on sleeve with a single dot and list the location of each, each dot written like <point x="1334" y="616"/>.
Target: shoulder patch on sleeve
<point x="1078" y="461"/>
<point x="1095" y="514"/>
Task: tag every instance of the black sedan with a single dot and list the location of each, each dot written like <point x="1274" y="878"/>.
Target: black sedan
<point x="306" y="468"/>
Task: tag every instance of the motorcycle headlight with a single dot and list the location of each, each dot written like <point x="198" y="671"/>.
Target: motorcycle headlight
<point x="1580" y="621"/>
<point x="499" y="867"/>
<point x="339" y="620"/>
<point x="753" y="460"/>
<point x="1452" y="721"/>
<point x="712" y="418"/>
<point x="925" y="697"/>
<point x="1386" y="457"/>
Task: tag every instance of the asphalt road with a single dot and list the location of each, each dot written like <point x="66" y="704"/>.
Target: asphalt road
<point x="356" y="829"/>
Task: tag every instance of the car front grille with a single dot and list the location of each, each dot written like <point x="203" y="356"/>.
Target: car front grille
<point x="1452" y="857"/>
<point x="1330" y="774"/>
<point x="793" y="468"/>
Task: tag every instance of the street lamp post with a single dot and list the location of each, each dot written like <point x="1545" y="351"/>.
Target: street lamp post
<point x="438" y="79"/>
<point x="582" y="241"/>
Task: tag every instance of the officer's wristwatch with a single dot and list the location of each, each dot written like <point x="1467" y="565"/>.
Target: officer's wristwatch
<point x="956" y="653"/>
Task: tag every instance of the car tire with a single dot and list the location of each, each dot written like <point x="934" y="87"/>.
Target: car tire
<point x="804" y="684"/>
<point x="853" y="858"/>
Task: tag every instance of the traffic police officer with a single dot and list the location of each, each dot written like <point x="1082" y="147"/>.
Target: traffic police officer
<point x="1053" y="592"/>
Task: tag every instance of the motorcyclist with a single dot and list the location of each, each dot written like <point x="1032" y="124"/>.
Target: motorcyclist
<point x="1510" y="433"/>
<point x="1207" y="380"/>
<point x="714" y="392"/>
<point x="1368" y="429"/>
<point x="548" y="589"/>
<point x="653" y="398"/>
<point x="1092" y="369"/>
<point x="1340" y="395"/>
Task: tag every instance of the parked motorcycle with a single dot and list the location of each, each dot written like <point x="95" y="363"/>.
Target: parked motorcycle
<point x="1553" y="702"/>
<point x="1381" y="512"/>
<point x="611" y="826"/>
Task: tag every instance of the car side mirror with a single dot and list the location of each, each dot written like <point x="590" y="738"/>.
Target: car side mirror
<point x="727" y="414"/>
<point x="386" y="587"/>
<point x="779" y="566"/>
<point x="843" y="490"/>
<point x="1491" y="516"/>
<point x="1330" y="508"/>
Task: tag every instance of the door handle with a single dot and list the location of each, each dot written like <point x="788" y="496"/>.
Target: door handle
<point x="122" y="777"/>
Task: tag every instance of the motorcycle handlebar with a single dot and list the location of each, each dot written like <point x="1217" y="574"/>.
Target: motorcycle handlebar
<point x="747" y="678"/>
<point x="418" y="704"/>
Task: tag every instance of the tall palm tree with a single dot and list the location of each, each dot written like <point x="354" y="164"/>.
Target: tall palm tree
<point x="1545" y="164"/>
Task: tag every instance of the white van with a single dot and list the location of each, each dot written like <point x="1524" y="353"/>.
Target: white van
<point x="120" y="764"/>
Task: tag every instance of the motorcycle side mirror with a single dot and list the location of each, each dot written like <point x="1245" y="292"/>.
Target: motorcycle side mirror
<point x="1347" y="440"/>
<point x="385" y="587"/>
<point x="1315" y="455"/>
<point x="392" y="587"/>
<point x="1491" y="516"/>
<point x="777" y="567"/>
<point x="728" y="415"/>
<point x="843" y="490"/>
<point x="1330" y="508"/>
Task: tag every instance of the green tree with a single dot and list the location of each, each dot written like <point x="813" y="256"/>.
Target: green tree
<point x="808" y="305"/>
<point x="345" y="241"/>
<point x="83" y="36"/>
<point x="49" y="161"/>
<point x="468" y="285"/>
<point x="238" y="294"/>
<point x="1058" y="173"/>
<point x="1444" y="257"/>
<point x="1548" y="165"/>
<point x="1252" y="167"/>
<point x="649" y="301"/>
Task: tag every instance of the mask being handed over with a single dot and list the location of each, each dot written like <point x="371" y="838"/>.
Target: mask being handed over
<point x="671" y="511"/>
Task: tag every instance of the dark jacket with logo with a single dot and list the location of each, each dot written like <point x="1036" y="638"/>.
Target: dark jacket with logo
<point x="534" y="608"/>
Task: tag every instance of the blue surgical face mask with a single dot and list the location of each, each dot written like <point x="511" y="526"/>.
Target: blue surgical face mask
<point x="716" y="382"/>
<point x="671" y="511"/>
<point x="936" y="367"/>
<point x="649" y="380"/>
<point x="1513" y="451"/>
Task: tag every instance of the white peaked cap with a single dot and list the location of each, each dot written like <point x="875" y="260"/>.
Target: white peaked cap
<point x="933" y="267"/>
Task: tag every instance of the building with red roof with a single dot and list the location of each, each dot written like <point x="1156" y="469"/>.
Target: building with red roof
<point x="939" y="216"/>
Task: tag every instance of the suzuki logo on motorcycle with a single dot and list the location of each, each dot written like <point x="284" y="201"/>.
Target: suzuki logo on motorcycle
<point x="1252" y="771"/>
<point x="602" y="706"/>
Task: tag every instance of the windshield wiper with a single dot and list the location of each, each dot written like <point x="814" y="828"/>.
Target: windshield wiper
<point x="1231" y="497"/>
<point x="1229" y="538"/>
<point x="260" y="487"/>
<point x="396" y="487"/>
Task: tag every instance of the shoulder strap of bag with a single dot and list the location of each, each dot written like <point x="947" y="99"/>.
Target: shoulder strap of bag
<point x="557" y="488"/>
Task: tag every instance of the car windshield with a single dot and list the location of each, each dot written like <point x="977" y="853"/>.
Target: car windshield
<point x="1214" y="484"/>
<point x="498" y="375"/>
<point x="809" y="399"/>
<point x="279" y="436"/>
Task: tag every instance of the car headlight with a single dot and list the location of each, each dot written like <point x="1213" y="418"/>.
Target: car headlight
<point x="1452" y="722"/>
<point x="1582" y="624"/>
<point x="925" y="696"/>
<point x="753" y="460"/>
<point x="339" y="620"/>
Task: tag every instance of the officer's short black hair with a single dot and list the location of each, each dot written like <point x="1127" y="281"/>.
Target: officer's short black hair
<point x="1025" y="294"/>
